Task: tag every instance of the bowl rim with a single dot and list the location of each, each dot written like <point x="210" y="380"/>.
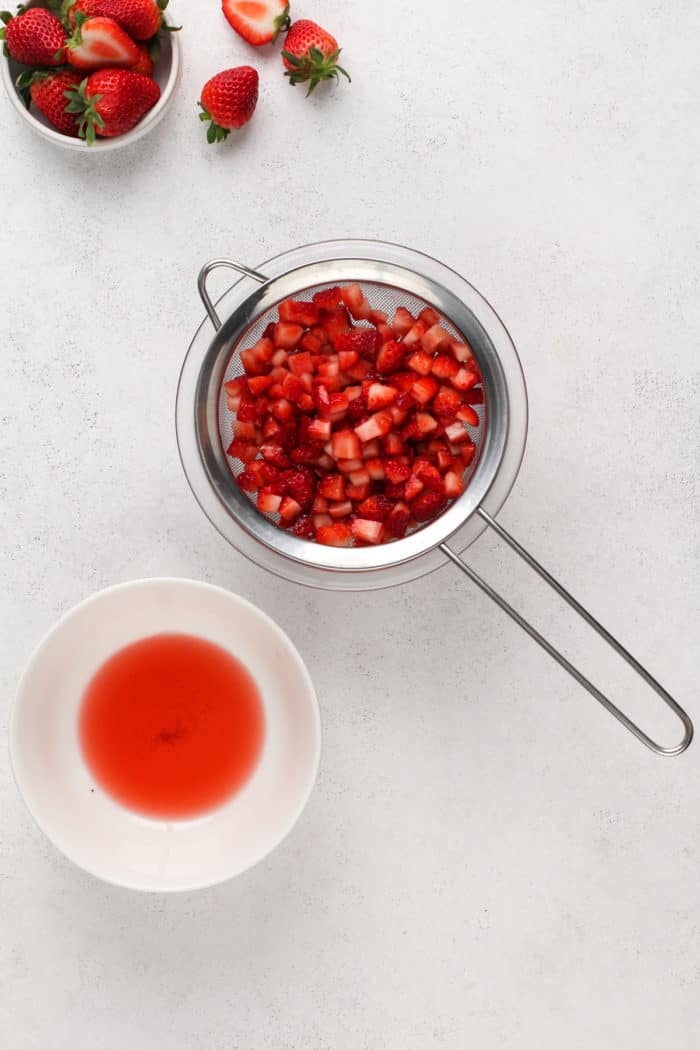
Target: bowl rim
<point x="201" y="585"/>
<point x="150" y="120"/>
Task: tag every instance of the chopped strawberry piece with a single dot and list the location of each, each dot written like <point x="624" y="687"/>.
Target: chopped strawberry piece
<point x="258" y="384"/>
<point x="367" y="531"/>
<point x="340" y="510"/>
<point x="399" y="520"/>
<point x="371" y="449"/>
<point x="395" y="490"/>
<point x="360" y="369"/>
<point x="300" y="484"/>
<point x="347" y="358"/>
<point x="304" y="527"/>
<point x="386" y="332"/>
<point x="414" y="486"/>
<point x="428" y="505"/>
<point x="301" y="363"/>
<point x="276" y="455"/>
<point x="319" y="430"/>
<point x="320" y="520"/>
<point x="429" y="475"/>
<point x="293" y="388"/>
<point x="375" y="469"/>
<point x="289" y="510"/>
<point x="425" y="422"/>
<point x="421" y="362"/>
<point x="320" y="505"/>
<point x="365" y="341"/>
<point x="403" y="322"/>
<point x="467" y="454"/>
<point x="305" y="314"/>
<point x="429" y="317"/>
<point x="354" y="299"/>
<point x="390" y="357"/>
<point x="461" y="351"/>
<point x="330" y="366"/>
<point x="424" y="389"/>
<point x="415" y="334"/>
<point x="464" y="379"/>
<point x="333" y="487"/>
<point x="456" y="433"/>
<point x="312" y="343"/>
<point x="434" y="338"/>
<point x="349" y="466"/>
<point x="444" y="366"/>
<point x="444" y="460"/>
<point x="328" y="298"/>
<point x="269" y="502"/>
<point x="282" y="409"/>
<point x="346" y="445"/>
<point x="378" y="317"/>
<point x="474" y="397"/>
<point x="376" y="508"/>
<point x="357" y="492"/>
<point x="288" y="336"/>
<point x="240" y="450"/>
<point x="379" y="396"/>
<point x="454" y="485"/>
<point x="376" y="426"/>
<point x="393" y="444"/>
<point x="335" y="322"/>
<point x="338" y="534"/>
<point x="396" y="470"/>
<point x="447" y="403"/>
<point x="247" y="481"/>
<point x="467" y="415"/>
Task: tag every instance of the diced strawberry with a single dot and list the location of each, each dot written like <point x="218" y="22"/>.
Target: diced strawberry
<point x="297" y="312"/>
<point x="349" y="466"/>
<point x="312" y="343"/>
<point x="454" y="486"/>
<point x="330" y="366"/>
<point x="276" y="455"/>
<point x="429" y="475"/>
<point x="421" y="362"/>
<point x="252" y="365"/>
<point x="340" y="510"/>
<point x="354" y="299"/>
<point x="269" y="502"/>
<point x="300" y="484"/>
<point x="325" y="463"/>
<point x="320" y="504"/>
<point x="247" y="481"/>
<point x="424" y="389"/>
<point x="347" y="358"/>
<point x="447" y="403"/>
<point x="444" y="460"/>
<point x="456" y="433"/>
<point x="271" y="428"/>
<point x="304" y="527"/>
<point x="396" y="470"/>
<point x="403" y="322"/>
<point x="379" y="396"/>
<point x="303" y="455"/>
<point x="359" y="477"/>
<point x="376" y="426"/>
<point x="319" y="430"/>
<point x="415" y="334"/>
<point x="371" y="449"/>
<point x="375" y="468"/>
<point x="367" y="531"/>
<point x="366" y="341"/>
<point x="467" y="415"/>
<point x="398" y="414"/>
<point x="292" y="387"/>
<point x="399" y="520"/>
<point x="288" y="336"/>
<point x="320" y="520"/>
<point x="258" y="384"/>
<point x="357" y="492"/>
<point x="378" y="317"/>
<point x="301" y="363"/>
<point x="306" y="403"/>
<point x="390" y="357"/>
<point x="386" y="332"/>
<point x="282" y="409"/>
<point x="393" y="444"/>
<point x="346" y="445"/>
<point x="244" y="431"/>
<point x="360" y="369"/>
<point x="467" y="454"/>
<point x="434" y="338"/>
<point x="444" y="366"/>
<point x="425" y="422"/>
<point x="240" y="450"/>
<point x="328" y="298"/>
<point x="237" y="387"/>
<point x="414" y="486"/>
<point x="395" y="490"/>
<point x="474" y="397"/>
<point x="289" y="510"/>
<point x="461" y="351"/>
<point x="279" y="359"/>
<point x="429" y="317"/>
<point x="269" y="332"/>
<point x="338" y="534"/>
<point x="376" y="508"/>
<point x="332" y="487"/>
<point x="464" y="379"/>
<point x="335" y="322"/>
<point x="428" y="505"/>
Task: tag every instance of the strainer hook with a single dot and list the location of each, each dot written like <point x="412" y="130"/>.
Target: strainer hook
<point x="229" y="265"/>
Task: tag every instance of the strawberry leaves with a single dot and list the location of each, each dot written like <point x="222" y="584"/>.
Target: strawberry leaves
<point x="313" y="67"/>
<point x="85" y="109"/>
<point x="215" y="133"/>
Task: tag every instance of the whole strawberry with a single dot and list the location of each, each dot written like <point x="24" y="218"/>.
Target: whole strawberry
<point x="228" y="101"/>
<point x="34" y="38"/>
<point x="47" y="91"/>
<point x="140" y="18"/>
<point x="311" y="55"/>
<point x="111" y="102"/>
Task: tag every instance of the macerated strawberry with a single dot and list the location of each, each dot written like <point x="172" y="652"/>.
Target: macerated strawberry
<point x="474" y="397"/>
<point x="289" y="510"/>
<point x="429" y="317"/>
<point x="415" y="334"/>
<point x="346" y="445"/>
<point x="365" y="341"/>
<point x="376" y="508"/>
<point x="333" y="487"/>
<point x="424" y="389"/>
<point x="304" y="527"/>
<point x="461" y="351"/>
<point x="429" y="475"/>
<point x="367" y="531"/>
<point x="334" y="323"/>
<point x="393" y="444"/>
<point x="403" y="322"/>
<point x="446" y="403"/>
<point x="379" y="396"/>
<point x="298" y="312"/>
<point x="454" y="485"/>
<point x="428" y="505"/>
<point x="444" y="366"/>
<point x="390" y="357"/>
<point x="467" y="415"/>
<point x="396" y="470"/>
<point x="376" y="426"/>
<point x="421" y="362"/>
<point x="269" y="502"/>
<point x="464" y="379"/>
<point x="288" y="336"/>
<point x="399" y="519"/>
<point x="434" y="338"/>
<point x="456" y="433"/>
<point x="354" y="299"/>
<point x="414" y="486"/>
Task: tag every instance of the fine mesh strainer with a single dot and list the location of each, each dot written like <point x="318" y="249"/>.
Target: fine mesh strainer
<point x="390" y="276"/>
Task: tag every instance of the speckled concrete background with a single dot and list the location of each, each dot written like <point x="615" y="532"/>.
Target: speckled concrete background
<point x="488" y="860"/>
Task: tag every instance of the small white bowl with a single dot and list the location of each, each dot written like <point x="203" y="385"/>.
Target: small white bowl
<point x="167" y="74"/>
<point x="87" y="825"/>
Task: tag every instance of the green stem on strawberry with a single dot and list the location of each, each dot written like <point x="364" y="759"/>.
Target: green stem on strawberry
<point x="282" y="23"/>
<point x="215" y="133"/>
<point x="85" y="109"/>
<point x="313" y="68"/>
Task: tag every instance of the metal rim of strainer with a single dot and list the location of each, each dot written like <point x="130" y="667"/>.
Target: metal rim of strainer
<point x="297" y="274"/>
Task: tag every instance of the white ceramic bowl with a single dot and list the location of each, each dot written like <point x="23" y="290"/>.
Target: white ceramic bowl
<point x="86" y="824"/>
<point x="166" y="73"/>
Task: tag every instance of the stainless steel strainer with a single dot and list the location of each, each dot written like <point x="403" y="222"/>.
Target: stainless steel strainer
<point x="390" y="276"/>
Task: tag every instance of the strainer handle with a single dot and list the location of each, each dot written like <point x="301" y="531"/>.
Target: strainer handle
<point x="560" y="659"/>
<point x="229" y="265"/>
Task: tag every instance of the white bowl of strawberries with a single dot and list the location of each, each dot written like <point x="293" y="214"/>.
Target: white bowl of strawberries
<point x="91" y="74"/>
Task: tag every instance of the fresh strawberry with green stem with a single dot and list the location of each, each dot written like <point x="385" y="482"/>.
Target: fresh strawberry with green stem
<point x="257" y="21"/>
<point x="34" y="37"/>
<point x="47" y="91"/>
<point x="99" y="42"/>
<point x="228" y="101"/>
<point x="111" y="102"/>
<point x="311" y="55"/>
<point x="141" y="19"/>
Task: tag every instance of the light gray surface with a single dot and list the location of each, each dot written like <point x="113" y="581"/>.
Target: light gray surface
<point x="488" y="860"/>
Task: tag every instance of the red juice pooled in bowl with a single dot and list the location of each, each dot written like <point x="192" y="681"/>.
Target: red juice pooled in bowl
<point x="171" y="726"/>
